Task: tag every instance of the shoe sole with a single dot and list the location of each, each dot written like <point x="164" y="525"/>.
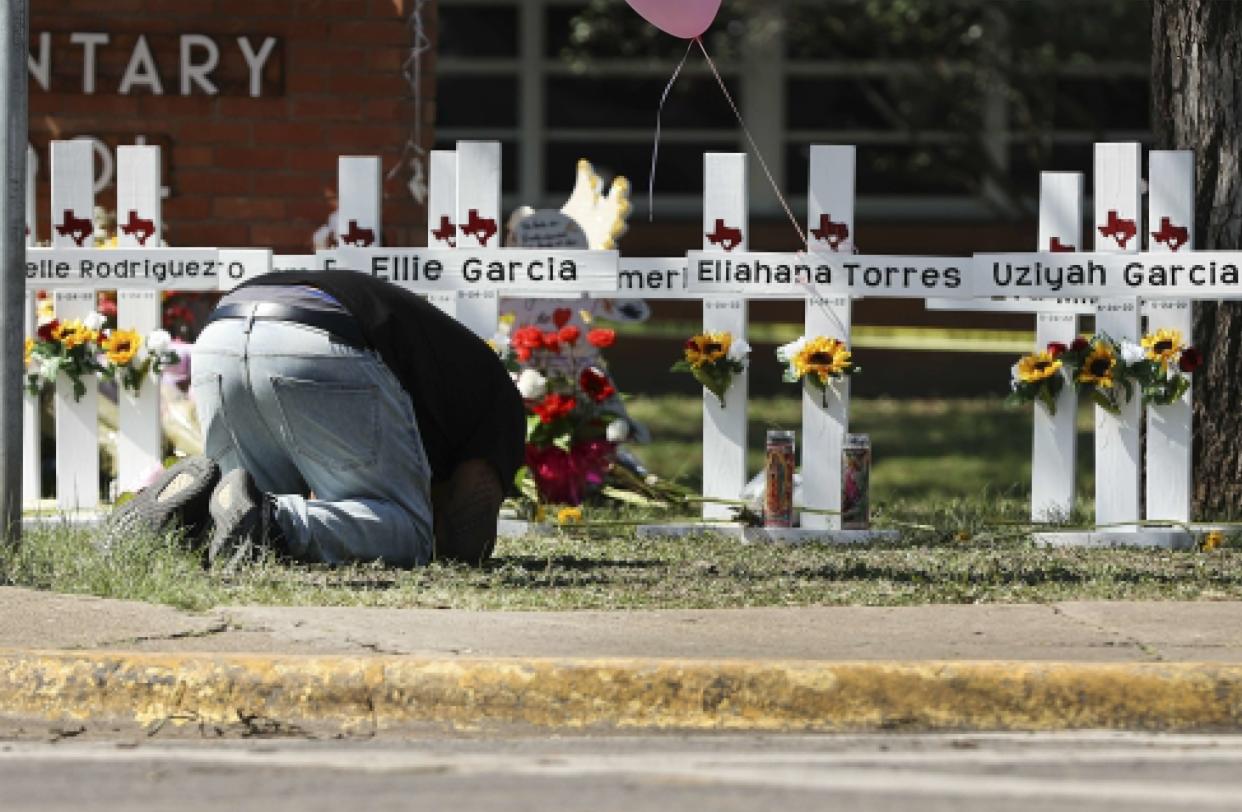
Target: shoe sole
<point x="232" y="530"/>
<point x="180" y="494"/>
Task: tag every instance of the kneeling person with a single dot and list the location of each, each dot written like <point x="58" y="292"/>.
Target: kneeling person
<point x="350" y="421"/>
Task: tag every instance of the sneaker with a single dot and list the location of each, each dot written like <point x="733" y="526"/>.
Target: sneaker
<point x="243" y="520"/>
<point x="179" y="496"/>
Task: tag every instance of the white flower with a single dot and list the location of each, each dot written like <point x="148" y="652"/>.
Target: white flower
<point x="531" y="384"/>
<point x="95" y="321"/>
<point x="159" y="342"/>
<point x="738" y="350"/>
<point x="617" y="431"/>
<point x="786" y="352"/>
<point x="49" y="369"/>
<point x="1132" y="353"/>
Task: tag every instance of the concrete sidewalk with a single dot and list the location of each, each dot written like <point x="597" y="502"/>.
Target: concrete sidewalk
<point x="1076" y="664"/>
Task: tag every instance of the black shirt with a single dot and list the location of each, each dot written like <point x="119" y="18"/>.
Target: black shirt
<point x="464" y="400"/>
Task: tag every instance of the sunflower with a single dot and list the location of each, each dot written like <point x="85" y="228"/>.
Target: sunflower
<point x="1098" y="366"/>
<point x="707" y="348"/>
<point x="1037" y="367"/>
<point x="73" y="334"/>
<point x="824" y="357"/>
<point x="121" y="346"/>
<point x="1163" y="346"/>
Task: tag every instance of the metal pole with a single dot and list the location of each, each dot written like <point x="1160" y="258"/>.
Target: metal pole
<point x="14" y="50"/>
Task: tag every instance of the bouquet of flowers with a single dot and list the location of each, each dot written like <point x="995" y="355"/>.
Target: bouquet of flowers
<point x="1165" y="366"/>
<point x="572" y="428"/>
<point x="129" y="358"/>
<point x="713" y="359"/>
<point x="70" y="347"/>
<point x="1039" y="377"/>
<point x="1107" y="370"/>
<point x="820" y="361"/>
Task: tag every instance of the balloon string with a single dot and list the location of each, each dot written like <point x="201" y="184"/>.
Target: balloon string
<point x="655" y="147"/>
<point x="753" y="145"/>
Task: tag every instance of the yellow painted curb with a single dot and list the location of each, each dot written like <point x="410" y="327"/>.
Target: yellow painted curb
<point x="368" y="692"/>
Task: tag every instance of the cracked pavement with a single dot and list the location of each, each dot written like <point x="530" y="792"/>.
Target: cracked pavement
<point x="1084" y="631"/>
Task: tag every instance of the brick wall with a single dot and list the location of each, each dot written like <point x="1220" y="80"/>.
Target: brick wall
<point x="241" y="171"/>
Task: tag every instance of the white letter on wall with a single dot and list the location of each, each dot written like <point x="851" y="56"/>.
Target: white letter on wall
<point x="89" y="43"/>
<point x="141" y="70"/>
<point x="256" y="61"/>
<point x="41" y="68"/>
<point x="198" y="74"/>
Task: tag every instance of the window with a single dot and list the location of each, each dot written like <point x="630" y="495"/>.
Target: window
<point x="954" y="104"/>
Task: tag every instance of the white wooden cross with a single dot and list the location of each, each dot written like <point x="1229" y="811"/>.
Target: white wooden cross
<point x="76" y="421"/>
<point x="1054" y="445"/>
<point x="463" y="216"/>
<point x="463" y="268"/>
<point x="1170" y="227"/>
<point x="138" y="269"/>
<point x="827" y="277"/>
<point x="1167" y="459"/>
<point x="1166" y="281"/>
<point x="725" y="226"/>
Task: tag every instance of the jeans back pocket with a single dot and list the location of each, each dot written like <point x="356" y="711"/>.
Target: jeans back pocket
<point x="333" y="424"/>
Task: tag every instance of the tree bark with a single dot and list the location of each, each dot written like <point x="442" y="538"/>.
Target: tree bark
<point x="1196" y="76"/>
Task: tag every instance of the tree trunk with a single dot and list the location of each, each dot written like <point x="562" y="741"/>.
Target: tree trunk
<point x="1196" y="77"/>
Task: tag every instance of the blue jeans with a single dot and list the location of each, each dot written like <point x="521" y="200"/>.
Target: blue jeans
<point x="324" y="427"/>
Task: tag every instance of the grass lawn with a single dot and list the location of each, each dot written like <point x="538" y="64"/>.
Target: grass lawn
<point x="952" y="476"/>
<point x="618" y="571"/>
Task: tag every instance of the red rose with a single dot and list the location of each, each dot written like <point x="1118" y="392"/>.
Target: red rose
<point x="1190" y="360"/>
<point x="551" y="341"/>
<point x="596" y="384"/>
<point x="568" y="334"/>
<point x="1055" y="348"/>
<point x="554" y="406"/>
<point x="1080" y="344"/>
<point x="45" y="331"/>
<point x="525" y="339"/>
<point x="601" y="337"/>
<point x="561" y="316"/>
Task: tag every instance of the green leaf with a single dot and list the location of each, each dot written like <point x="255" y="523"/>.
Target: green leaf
<point x="1048" y="399"/>
<point x="1180" y="384"/>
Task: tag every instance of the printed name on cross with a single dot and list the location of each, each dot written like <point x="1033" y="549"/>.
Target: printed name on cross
<point x="856" y="274"/>
<point x="656" y="279"/>
<point x="475" y="270"/>
<point x="410" y="267"/>
<point x="1173" y="275"/>
<point x="198" y="59"/>
<point x="1044" y="277"/>
<point x="157" y="270"/>
<point x="404" y="268"/>
<point x="1136" y="274"/>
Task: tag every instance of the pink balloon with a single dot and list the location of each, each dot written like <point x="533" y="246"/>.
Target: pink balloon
<point x="681" y="18"/>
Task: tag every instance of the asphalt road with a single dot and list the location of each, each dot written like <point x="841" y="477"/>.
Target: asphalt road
<point x="72" y="769"/>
